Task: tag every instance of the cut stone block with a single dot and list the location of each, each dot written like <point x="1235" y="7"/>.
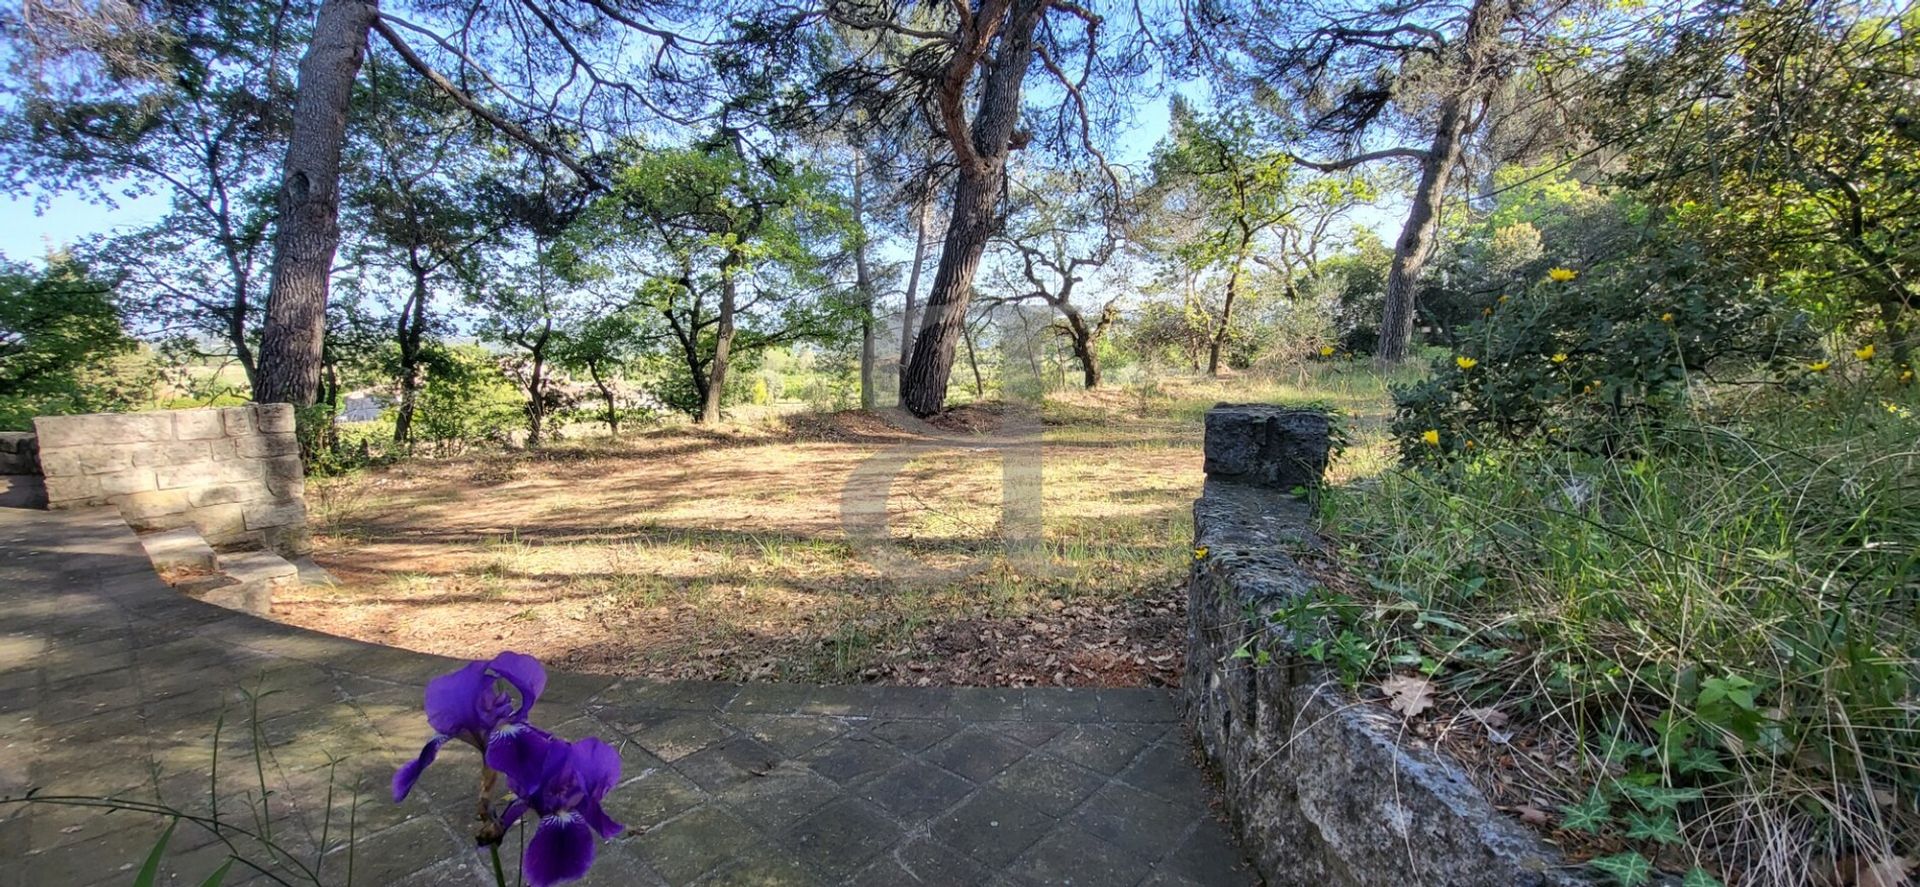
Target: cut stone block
<point x="275" y="418"/>
<point x="198" y="425"/>
<point x="1267" y="444"/>
<point x="180" y="549"/>
<point x="257" y="575"/>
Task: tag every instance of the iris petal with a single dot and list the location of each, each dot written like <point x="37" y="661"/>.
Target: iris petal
<point x="562" y="849"/>
<point x="409" y="773"/>
<point x="522" y="752"/>
<point x="598" y="818"/>
<point x="512" y="814"/>
<point x="597" y="765"/>
<point x="525" y="674"/>
<point x="453" y="703"/>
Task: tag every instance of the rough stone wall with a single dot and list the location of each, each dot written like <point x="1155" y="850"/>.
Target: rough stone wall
<point x="19" y="453"/>
<point x="1318" y="788"/>
<point x="232" y="473"/>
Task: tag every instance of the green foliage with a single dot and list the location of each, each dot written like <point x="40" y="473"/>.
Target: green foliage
<point x="1627" y="869"/>
<point x="1810" y="146"/>
<point x="1583" y="362"/>
<point x="60" y="340"/>
<point x="1723" y="625"/>
<point x="467" y="400"/>
<point x="717" y="245"/>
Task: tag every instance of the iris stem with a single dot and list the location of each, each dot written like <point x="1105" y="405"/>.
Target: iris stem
<point x="499" y="872"/>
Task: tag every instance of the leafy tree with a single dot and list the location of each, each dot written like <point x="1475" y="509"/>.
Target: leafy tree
<point x="187" y="103"/>
<point x="1061" y="232"/>
<point x="1426" y="72"/>
<point x="601" y="347"/>
<point x="1223" y="198"/>
<point x="732" y="253"/>
<point x="1786" y="135"/>
<point x="60" y="328"/>
<point x="420" y="220"/>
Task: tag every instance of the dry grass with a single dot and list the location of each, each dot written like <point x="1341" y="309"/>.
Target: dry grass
<point x="722" y="554"/>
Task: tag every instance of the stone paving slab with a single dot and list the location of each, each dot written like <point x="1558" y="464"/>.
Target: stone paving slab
<point x="113" y="684"/>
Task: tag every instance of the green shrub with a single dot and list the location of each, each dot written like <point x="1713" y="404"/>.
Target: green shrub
<point x="1582" y="360"/>
<point x="466" y="400"/>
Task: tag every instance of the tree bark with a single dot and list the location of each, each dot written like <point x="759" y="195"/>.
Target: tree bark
<point x="910" y="314"/>
<point x="863" y="282"/>
<point x="973" y="360"/>
<point x="537" y="386"/>
<point x="1218" y="339"/>
<point x="308" y="230"/>
<point x="606" y="395"/>
<point x="1456" y="121"/>
<point x="413" y="328"/>
<point x="981" y="155"/>
<point x="722" y="342"/>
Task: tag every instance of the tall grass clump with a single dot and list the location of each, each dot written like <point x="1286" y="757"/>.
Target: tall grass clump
<point x="1709" y="637"/>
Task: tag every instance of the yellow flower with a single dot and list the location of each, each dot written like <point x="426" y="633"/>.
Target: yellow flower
<point x="1897" y="409"/>
<point x="1200" y="553"/>
<point x="1326" y="351"/>
<point x="1562" y="275"/>
<point x="1667" y="317"/>
<point x="1864" y="352"/>
<point x="1560" y="357"/>
<point x="1431" y="436"/>
<point x="1486" y="312"/>
<point x="1819" y="366"/>
<point x="1906" y="376"/>
<point x="1464" y="362"/>
<point x="1503" y="300"/>
<point x="1469" y="445"/>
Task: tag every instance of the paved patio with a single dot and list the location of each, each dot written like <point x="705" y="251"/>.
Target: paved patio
<point x="112" y="684"/>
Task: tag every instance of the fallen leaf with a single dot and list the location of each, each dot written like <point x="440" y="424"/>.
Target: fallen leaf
<point x="1408" y="695"/>
<point x="1532" y="815"/>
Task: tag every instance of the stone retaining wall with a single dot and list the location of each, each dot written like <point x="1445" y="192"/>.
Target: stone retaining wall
<point x="1318" y="788"/>
<point x="232" y="473"/>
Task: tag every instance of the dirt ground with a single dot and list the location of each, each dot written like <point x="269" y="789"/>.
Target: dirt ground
<point x="696" y="553"/>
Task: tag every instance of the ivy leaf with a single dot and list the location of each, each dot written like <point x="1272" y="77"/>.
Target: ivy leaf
<point x="1698" y="877"/>
<point x="1588" y="816"/>
<point x="1659" y="797"/>
<point x="1698" y="759"/>
<point x="1660" y="829"/>
<point x="1628" y="869"/>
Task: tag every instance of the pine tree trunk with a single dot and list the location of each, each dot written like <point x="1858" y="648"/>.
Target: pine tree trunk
<point x="722" y="343"/>
<point x="910" y="314"/>
<point x="413" y="328"/>
<point x="308" y="230"/>
<point x="1456" y="121"/>
<point x="976" y="196"/>
<point x="863" y="282"/>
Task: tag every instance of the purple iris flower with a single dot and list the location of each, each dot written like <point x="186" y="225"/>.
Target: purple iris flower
<point x="469" y="705"/>
<point x="562" y="783"/>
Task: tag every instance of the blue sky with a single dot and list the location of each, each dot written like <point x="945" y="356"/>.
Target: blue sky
<point x="67" y="218"/>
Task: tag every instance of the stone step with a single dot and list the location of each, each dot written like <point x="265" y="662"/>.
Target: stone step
<point x="257" y="576"/>
<point x="180" y="550"/>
